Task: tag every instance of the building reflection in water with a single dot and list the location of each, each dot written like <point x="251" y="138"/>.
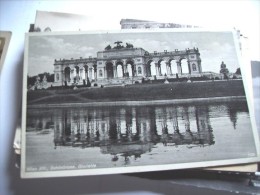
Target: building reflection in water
<point x="133" y="130"/>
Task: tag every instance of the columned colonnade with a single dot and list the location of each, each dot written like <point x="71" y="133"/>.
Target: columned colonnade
<point x="135" y="63"/>
<point x="169" y="66"/>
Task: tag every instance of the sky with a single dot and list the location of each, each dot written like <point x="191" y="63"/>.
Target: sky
<point x="214" y="47"/>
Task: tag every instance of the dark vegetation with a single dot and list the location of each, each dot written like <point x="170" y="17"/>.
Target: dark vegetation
<point x="32" y="79"/>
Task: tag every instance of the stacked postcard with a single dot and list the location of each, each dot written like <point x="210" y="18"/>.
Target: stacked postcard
<point x="5" y="37"/>
<point x="151" y="96"/>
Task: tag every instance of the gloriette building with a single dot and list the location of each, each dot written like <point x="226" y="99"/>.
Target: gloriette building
<point x="125" y="65"/>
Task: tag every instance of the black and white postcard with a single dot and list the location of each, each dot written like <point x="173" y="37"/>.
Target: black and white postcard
<point x="133" y="101"/>
<point x="5" y="37"/>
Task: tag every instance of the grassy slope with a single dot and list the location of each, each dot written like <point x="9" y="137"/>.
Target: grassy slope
<point x="139" y="92"/>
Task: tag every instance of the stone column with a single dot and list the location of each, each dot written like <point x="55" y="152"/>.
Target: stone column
<point x="86" y="74"/>
<point x="190" y="68"/>
<point x="143" y="70"/>
<point x="77" y="73"/>
<point x="105" y="72"/>
<point x="115" y="71"/>
<point x="71" y="75"/>
<point x="95" y="75"/>
<point x="168" y="68"/>
<point x="90" y="74"/>
<point x="179" y="67"/>
<point x="157" y="69"/>
<point x="125" y="71"/>
<point x="160" y="69"/>
<point x="95" y="72"/>
<point x="146" y="71"/>
<point x="134" y="70"/>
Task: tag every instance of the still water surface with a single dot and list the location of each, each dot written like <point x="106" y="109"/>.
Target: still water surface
<point x="114" y="136"/>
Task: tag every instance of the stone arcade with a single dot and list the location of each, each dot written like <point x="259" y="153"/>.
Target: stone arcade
<point x="126" y="65"/>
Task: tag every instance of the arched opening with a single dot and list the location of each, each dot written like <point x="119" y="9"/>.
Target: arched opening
<point x="129" y="70"/>
<point x="148" y="69"/>
<point x="109" y="69"/>
<point x="67" y="74"/>
<point x="92" y="72"/>
<point x="184" y="66"/>
<point x="162" y="67"/>
<point x="173" y="65"/>
<point x="119" y="69"/>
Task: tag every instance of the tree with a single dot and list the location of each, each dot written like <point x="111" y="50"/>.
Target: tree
<point x="50" y="77"/>
<point x="238" y="71"/>
<point x="31" y="80"/>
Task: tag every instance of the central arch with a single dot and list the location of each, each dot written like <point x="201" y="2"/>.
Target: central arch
<point x="109" y="69"/>
<point x="120" y="69"/>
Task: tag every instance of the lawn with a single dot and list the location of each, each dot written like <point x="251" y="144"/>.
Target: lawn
<point x="137" y="92"/>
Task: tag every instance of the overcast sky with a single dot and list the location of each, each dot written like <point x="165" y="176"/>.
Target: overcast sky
<point x="214" y="47"/>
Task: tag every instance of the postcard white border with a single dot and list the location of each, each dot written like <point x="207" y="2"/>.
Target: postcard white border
<point x="133" y="169"/>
